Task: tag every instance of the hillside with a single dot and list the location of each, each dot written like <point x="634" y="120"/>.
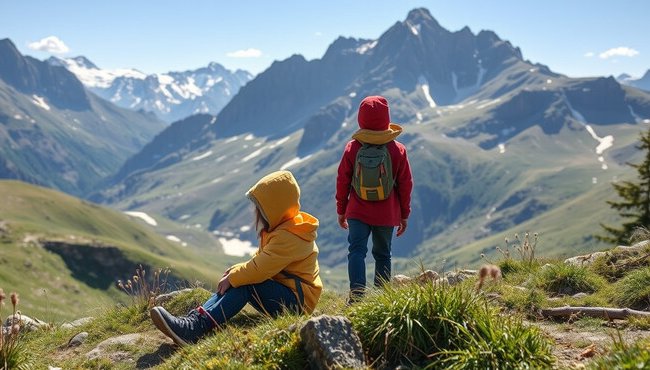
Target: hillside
<point x="454" y="321"/>
<point x="65" y="255"/>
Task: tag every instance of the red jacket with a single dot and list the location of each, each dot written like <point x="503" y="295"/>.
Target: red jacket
<point x="387" y="212"/>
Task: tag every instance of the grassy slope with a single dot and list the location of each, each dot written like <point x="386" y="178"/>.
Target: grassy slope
<point x="48" y="288"/>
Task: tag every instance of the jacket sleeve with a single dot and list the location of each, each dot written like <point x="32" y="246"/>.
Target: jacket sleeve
<point x="404" y="185"/>
<point x="279" y="252"/>
<point x="344" y="179"/>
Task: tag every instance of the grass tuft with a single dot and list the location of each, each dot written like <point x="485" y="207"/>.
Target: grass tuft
<point x="633" y="290"/>
<point x="624" y="356"/>
<point x="439" y="326"/>
<point x="566" y="279"/>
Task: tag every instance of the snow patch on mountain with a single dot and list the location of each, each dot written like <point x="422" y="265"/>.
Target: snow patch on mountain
<point x="415" y="29"/>
<point x="93" y="77"/>
<point x="487" y="103"/>
<point x="464" y="92"/>
<point x="365" y="47"/>
<point x="424" y="85"/>
<point x="237" y="247"/>
<point x="201" y="156"/>
<point x="40" y="102"/>
<point x="143" y="216"/>
<point x="604" y="143"/>
<point x="294" y="162"/>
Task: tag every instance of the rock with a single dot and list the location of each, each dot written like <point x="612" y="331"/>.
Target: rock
<point x="167" y="297"/>
<point x="401" y="279"/>
<point x="78" y="339"/>
<point x="25" y="322"/>
<point x="77" y="322"/>
<point x="454" y="278"/>
<point x="584" y="260"/>
<point x="331" y="342"/>
<point x="580" y="295"/>
<point x="634" y="248"/>
<point x="123" y="340"/>
<point x="428" y="276"/>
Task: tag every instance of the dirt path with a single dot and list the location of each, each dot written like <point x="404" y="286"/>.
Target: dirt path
<point x="576" y="346"/>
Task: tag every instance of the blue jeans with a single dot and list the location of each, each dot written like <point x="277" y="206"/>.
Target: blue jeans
<point x="268" y="297"/>
<point x="358" y="235"/>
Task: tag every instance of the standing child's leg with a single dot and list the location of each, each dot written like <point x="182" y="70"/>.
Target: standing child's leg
<point x="357" y="250"/>
<point x="382" y="237"/>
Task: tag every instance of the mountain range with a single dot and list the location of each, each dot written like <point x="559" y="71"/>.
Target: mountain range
<point x="497" y="144"/>
<point x="170" y="96"/>
<point x="638" y="82"/>
<point x="53" y="132"/>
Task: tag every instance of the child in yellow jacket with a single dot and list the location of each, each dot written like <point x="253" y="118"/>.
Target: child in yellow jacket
<point x="283" y="273"/>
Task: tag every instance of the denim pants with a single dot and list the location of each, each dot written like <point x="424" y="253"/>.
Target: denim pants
<point x="268" y="297"/>
<point x="358" y="235"/>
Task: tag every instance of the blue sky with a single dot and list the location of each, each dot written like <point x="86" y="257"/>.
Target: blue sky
<point x="574" y="37"/>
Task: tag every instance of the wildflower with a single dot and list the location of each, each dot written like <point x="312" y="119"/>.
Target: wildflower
<point x="14" y="299"/>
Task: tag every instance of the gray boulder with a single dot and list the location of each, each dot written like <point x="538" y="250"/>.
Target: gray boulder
<point x="332" y="343"/>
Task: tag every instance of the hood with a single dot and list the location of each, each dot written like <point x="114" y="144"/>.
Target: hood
<point x="277" y="196"/>
<point x="378" y="137"/>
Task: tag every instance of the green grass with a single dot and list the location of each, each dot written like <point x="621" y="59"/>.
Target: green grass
<point x="566" y="279"/>
<point x="444" y="327"/>
<point x="58" y="286"/>
<point x="624" y="356"/>
<point x="633" y="290"/>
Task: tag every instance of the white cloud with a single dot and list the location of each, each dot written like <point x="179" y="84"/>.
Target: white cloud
<point x="589" y="54"/>
<point x="318" y="34"/>
<point x="50" y="44"/>
<point x="248" y="53"/>
<point x="621" y="51"/>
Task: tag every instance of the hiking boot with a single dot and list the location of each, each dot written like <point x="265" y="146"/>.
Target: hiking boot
<point x="182" y="330"/>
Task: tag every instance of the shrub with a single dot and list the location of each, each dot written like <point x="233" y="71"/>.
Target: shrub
<point x="633" y="290"/>
<point x="438" y="325"/>
<point x="566" y="279"/>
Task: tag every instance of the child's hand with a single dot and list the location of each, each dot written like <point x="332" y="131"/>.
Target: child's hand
<point x="402" y="227"/>
<point x="224" y="284"/>
<point x="343" y="222"/>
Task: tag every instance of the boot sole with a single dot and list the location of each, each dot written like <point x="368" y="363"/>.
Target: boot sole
<point x="161" y="324"/>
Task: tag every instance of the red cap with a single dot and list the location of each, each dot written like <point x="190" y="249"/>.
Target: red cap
<point x="374" y="114"/>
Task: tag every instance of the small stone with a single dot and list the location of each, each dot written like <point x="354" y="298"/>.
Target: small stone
<point x="78" y="339"/>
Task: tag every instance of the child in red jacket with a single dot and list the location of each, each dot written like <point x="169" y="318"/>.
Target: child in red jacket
<point x="364" y="217"/>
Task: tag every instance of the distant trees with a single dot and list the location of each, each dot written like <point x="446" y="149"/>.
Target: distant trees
<point x="635" y="204"/>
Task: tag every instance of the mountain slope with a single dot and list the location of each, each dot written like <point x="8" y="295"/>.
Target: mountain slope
<point x="73" y="252"/>
<point x="171" y="96"/>
<point x="494" y="141"/>
<point x="54" y="133"/>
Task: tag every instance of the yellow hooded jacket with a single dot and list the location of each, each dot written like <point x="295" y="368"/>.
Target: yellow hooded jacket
<point x="289" y="245"/>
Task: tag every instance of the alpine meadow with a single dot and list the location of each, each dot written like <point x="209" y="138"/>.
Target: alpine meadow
<point x="121" y="190"/>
